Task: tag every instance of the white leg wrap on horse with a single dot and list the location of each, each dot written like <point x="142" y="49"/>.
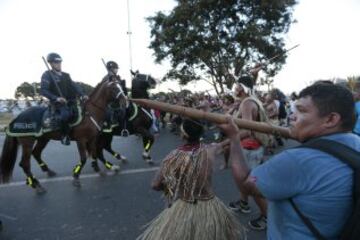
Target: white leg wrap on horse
<point x="146" y="154"/>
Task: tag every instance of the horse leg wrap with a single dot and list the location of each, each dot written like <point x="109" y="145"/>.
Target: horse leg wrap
<point x="32" y="182"/>
<point x="108" y="165"/>
<point x="43" y="166"/>
<point x="77" y="170"/>
<point x="147" y="146"/>
<point x="116" y="155"/>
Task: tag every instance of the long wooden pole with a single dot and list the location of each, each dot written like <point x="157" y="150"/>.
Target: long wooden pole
<point x="213" y="117"/>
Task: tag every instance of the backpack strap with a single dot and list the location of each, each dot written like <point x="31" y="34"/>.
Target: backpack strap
<point x="307" y="221"/>
<point x="344" y="154"/>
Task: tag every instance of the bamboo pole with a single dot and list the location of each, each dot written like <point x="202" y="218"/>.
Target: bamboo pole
<point x="213" y="117"/>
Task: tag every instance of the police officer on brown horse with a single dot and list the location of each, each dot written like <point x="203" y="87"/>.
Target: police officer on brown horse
<point x="62" y="92"/>
<point x="113" y="68"/>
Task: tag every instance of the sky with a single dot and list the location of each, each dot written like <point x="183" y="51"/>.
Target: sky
<point x="85" y="31"/>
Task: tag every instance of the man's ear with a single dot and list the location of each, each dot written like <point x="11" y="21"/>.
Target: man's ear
<point x="333" y="120"/>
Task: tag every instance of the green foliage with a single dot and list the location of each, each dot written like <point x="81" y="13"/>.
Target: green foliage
<point x="32" y="90"/>
<point x="86" y="88"/>
<point x="27" y="90"/>
<point x="353" y="83"/>
<point x="216" y="39"/>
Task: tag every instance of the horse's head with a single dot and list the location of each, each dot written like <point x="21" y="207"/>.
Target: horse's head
<point x="115" y="92"/>
<point x="109" y="91"/>
<point x="144" y="77"/>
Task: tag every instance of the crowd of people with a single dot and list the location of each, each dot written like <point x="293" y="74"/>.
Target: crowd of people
<point x="301" y="193"/>
<point x="319" y="184"/>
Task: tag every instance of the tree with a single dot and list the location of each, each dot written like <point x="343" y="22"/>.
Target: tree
<point x="268" y="82"/>
<point x="86" y="88"/>
<point x="353" y="82"/>
<point x="215" y="40"/>
<point x="27" y="90"/>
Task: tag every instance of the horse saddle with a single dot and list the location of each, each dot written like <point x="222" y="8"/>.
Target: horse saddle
<point x="35" y="121"/>
<point x="115" y="118"/>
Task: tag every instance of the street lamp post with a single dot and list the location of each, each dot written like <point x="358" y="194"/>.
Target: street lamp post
<point x="129" y="34"/>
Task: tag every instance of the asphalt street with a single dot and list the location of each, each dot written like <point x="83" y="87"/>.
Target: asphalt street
<point x="115" y="206"/>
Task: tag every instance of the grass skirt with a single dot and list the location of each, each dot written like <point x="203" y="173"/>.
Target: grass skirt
<point x="205" y="220"/>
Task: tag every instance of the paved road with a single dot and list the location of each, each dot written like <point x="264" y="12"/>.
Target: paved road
<point x="110" y="207"/>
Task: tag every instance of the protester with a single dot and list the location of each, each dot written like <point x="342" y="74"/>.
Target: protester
<point x="319" y="184"/>
<point x="194" y="212"/>
<point x="254" y="145"/>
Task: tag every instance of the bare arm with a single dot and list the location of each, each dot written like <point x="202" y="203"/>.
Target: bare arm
<point x="239" y="167"/>
<point x="157" y="182"/>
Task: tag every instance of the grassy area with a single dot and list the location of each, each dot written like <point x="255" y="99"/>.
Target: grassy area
<point x="5" y="119"/>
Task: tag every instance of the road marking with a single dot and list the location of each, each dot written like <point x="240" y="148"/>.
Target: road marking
<point x="8" y="217"/>
<point x="92" y="175"/>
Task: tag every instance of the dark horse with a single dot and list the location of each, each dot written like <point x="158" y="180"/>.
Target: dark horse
<point x="138" y="121"/>
<point x="84" y="134"/>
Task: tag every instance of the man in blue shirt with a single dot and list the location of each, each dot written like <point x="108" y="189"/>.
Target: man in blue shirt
<point x="356" y="129"/>
<point x="319" y="184"/>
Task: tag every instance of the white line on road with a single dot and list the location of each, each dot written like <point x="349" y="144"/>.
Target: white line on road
<point x="92" y="175"/>
<point x="8" y="217"/>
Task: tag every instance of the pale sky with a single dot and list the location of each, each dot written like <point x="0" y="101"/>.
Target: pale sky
<point x="84" y="31"/>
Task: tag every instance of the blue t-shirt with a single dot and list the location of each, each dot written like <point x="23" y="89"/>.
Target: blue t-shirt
<point x="357" y="124"/>
<point x="319" y="184"/>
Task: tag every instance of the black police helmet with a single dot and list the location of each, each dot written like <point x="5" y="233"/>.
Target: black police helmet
<point x="111" y="65"/>
<point x="53" y="58"/>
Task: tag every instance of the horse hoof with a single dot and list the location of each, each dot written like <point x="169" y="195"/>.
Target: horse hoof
<point x="115" y="168"/>
<point x="150" y="161"/>
<point x="123" y="159"/>
<point x="76" y="183"/>
<point x="102" y="174"/>
<point x="40" y="190"/>
<point x="145" y="155"/>
<point x="51" y="173"/>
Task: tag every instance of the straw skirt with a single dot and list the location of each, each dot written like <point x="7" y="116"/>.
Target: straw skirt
<point x="205" y="220"/>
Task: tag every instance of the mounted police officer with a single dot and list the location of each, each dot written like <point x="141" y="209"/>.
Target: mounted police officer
<point x="62" y="92"/>
<point x="115" y="112"/>
<point x="113" y="68"/>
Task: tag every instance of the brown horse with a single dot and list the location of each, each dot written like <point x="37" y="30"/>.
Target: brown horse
<point x="84" y="134"/>
<point x="138" y="121"/>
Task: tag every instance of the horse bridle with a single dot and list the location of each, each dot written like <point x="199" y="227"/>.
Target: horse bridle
<point x="121" y="92"/>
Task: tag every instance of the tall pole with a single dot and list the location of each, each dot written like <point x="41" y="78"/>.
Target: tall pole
<point x="129" y="34"/>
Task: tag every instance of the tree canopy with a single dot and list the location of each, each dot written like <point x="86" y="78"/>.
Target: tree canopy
<point x="216" y="40"/>
<point x="27" y="90"/>
<point x="33" y="89"/>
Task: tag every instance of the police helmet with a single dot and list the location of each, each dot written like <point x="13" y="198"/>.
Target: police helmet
<point x="53" y="58"/>
<point x="111" y="65"/>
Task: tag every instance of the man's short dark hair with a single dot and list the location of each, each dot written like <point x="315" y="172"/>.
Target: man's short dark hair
<point x="330" y="98"/>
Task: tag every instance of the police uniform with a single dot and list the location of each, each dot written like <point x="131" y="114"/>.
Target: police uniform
<point x="59" y="84"/>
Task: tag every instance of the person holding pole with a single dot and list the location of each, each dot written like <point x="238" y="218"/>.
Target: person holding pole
<point x="253" y="143"/>
<point x="303" y="180"/>
<point x="62" y="92"/>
